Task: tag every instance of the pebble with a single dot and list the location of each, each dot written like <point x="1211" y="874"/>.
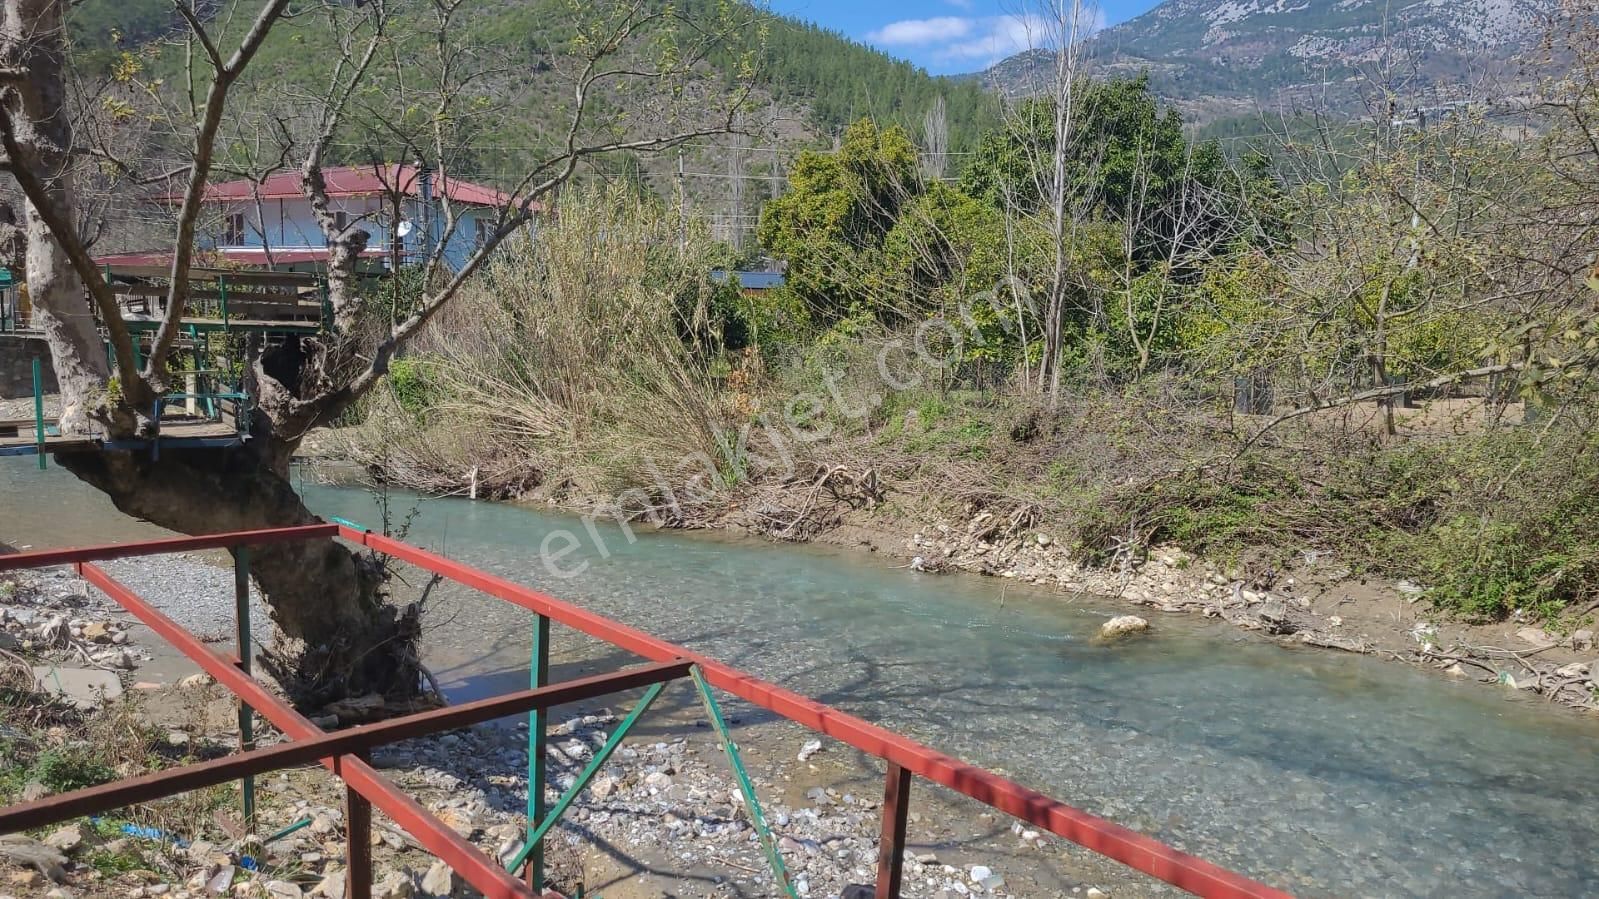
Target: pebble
<point x="66" y="839"/>
<point x="397" y="885"/>
<point x="439" y="880"/>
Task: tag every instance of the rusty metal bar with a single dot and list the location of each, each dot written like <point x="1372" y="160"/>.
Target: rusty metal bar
<point x="891" y="845"/>
<point x="438" y="839"/>
<point x="1092" y="832"/>
<point x="48" y="557"/>
<point x="358" y="841"/>
<point x="353" y="741"/>
<point x="241" y="621"/>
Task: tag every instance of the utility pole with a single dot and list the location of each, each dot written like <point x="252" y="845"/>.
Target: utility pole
<point x="735" y="175"/>
<point x="682" y="206"/>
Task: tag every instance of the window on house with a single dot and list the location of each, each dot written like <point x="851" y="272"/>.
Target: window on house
<point x="483" y="231"/>
<point x="341" y="220"/>
<point x="233" y="230"/>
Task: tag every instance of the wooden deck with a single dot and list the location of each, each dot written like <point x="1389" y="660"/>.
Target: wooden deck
<point x="18" y="436"/>
<point x="222" y="300"/>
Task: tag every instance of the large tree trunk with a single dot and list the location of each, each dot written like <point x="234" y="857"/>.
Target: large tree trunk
<point x="337" y="636"/>
<point x="61" y="309"/>
<point x="30" y="39"/>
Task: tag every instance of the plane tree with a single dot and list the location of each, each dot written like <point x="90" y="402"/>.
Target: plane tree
<point x="398" y="73"/>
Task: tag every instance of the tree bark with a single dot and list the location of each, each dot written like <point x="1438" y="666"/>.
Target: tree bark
<point x="61" y="310"/>
<point x="31" y="39"/>
<point x="336" y="634"/>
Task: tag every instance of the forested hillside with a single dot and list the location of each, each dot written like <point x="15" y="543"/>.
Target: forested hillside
<point x="818" y="79"/>
<point x="841" y="81"/>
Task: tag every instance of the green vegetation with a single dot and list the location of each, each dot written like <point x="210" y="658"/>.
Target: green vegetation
<point x="100" y="24"/>
<point x="519" y="100"/>
<point x="843" y="82"/>
<point x="1118" y="332"/>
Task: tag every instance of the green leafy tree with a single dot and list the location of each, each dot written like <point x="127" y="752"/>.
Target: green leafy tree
<point x="1125" y="152"/>
<point x="831" y="225"/>
<point x="946" y="246"/>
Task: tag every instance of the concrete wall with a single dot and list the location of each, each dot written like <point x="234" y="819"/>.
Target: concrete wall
<point x="16" y="365"/>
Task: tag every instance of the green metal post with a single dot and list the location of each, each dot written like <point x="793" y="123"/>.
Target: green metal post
<point x="538" y="676"/>
<point x="241" y="600"/>
<point x="593" y="768"/>
<point x="38" y="408"/>
<point x="745" y="787"/>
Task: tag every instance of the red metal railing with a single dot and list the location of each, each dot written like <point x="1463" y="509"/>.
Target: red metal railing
<point x="906" y="758"/>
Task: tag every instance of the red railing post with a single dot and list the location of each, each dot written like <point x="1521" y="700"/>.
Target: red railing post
<point x="891" y="846"/>
<point x="358" y="831"/>
<point x="241" y="623"/>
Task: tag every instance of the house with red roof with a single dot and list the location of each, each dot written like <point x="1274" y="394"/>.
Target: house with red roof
<point x="269" y="223"/>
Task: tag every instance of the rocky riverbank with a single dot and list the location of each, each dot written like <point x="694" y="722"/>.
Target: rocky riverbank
<point x="1315" y="603"/>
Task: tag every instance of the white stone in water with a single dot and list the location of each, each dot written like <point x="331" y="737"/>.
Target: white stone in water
<point x="1122" y="625"/>
<point x="810" y="748"/>
<point x="980" y="873"/>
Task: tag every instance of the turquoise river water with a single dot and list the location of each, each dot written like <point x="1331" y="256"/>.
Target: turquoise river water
<point x="1326" y="774"/>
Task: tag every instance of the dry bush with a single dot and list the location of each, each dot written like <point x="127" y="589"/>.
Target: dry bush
<point x="564" y="365"/>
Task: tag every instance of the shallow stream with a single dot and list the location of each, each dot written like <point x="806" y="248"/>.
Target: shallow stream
<point x="1322" y="773"/>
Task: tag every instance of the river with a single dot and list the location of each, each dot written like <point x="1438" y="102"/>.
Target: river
<point x="1325" y="774"/>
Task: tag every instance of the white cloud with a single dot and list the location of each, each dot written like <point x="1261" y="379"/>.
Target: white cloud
<point x="999" y="37"/>
<point x="920" y="32"/>
<point x="978" y="40"/>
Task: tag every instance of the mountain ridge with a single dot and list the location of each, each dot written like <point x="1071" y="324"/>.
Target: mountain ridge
<point x="1212" y="57"/>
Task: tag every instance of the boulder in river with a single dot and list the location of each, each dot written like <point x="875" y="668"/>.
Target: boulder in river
<point x="1121" y="626"/>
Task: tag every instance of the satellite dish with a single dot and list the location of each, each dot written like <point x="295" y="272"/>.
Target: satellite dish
<point x="405" y="229"/>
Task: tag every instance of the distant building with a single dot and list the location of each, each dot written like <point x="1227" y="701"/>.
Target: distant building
<point x="270" y="224"/>
<point x="749" y="283"/>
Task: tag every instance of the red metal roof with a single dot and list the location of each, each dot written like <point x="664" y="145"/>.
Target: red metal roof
<point x="353" y="181"/>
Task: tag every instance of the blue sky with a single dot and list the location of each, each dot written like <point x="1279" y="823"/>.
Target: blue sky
<point x="945" y="36"/>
